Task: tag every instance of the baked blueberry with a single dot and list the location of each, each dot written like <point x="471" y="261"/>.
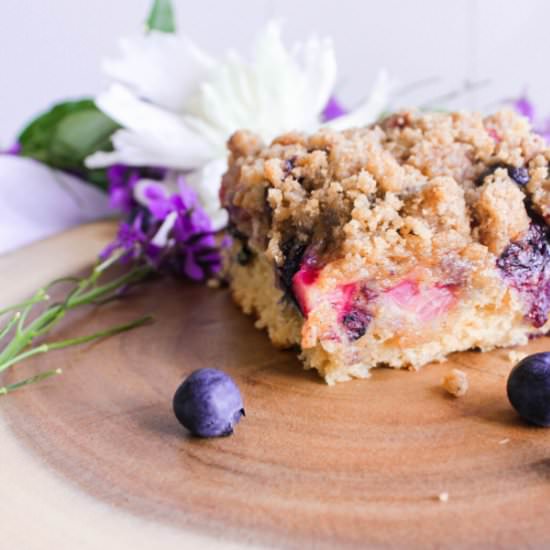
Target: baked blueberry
<point x="519" y="175"/>
<point x="208" y="403"/>
<point x="525" y="264"/>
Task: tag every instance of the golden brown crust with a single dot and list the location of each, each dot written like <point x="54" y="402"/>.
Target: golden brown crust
<point x="421" y="183"/>
<point x="501" y="211"/>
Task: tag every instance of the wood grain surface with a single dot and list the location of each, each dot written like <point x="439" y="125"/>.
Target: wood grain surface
<point x="359" y="464"/>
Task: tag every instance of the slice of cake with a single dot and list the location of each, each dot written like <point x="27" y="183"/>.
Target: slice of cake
<point x="395" y="244"/>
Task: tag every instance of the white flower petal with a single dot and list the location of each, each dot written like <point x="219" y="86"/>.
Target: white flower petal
<point x="206" y="182"/>
<point x="278" y="92"/>
<point x="150" y="132"/>
<point x="164" y="68"/>
<point x="372" y="107"/>
<point x="161" y="236"/>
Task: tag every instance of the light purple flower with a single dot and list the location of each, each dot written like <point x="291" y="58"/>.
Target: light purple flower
<point x="524" y="107"/>
<point x="333" y="109"/>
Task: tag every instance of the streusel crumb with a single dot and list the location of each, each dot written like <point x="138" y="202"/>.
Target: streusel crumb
<point x="456" y="383"/>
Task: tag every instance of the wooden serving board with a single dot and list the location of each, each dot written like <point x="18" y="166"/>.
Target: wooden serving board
<point x="358" y="464"/>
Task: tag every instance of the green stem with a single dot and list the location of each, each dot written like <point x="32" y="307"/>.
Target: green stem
<point x="53" y="315"/>
<point x="85" y="291"/>
<point x="136" y="274"/>
<point x="10" y="324"/>
<point x="31" y="380"/>
<point x="40" y="296"/>
<point x="43" y="348"/>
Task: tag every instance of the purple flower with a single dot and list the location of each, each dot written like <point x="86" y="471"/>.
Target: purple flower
<point x="524" y="107"/>
<point x="172" y="232"/>
<point x="122" y="181"/>
<point x="130" y="239"/>
<point x="333" y="109"/>
<point x="155" y="197"/>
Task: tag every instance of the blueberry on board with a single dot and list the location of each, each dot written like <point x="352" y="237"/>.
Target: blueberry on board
<point x="529" y="388"/>
<point x="208" y="403"/>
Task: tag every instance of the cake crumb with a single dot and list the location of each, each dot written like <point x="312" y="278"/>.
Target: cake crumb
<point x="443" y="497"/>
<point x="504" y="441"/>
<point x="515" y="356"/>
<point x="213" y="283"/>
<point x="456" y="382"/>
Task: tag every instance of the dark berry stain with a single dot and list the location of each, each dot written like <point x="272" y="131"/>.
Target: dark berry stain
<point x="519" y="174"/>
<point x="245" y="255"/>
<point x="289" y="165"/>
<point x="355" y="316"/>
<point x="356" y="323"/>
<point x="293" y="251"/>
<point x="525" y="265"/>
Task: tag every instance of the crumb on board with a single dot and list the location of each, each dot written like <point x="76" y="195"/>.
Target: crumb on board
<point x="504" y="441"/>
<point x="213" y="283"/>
<point x="443" y="497"/>
<point x="515" y="356"/>
<point x="456" y="382"/>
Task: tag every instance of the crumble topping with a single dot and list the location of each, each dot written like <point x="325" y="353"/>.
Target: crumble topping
<point x="414" y="183"/>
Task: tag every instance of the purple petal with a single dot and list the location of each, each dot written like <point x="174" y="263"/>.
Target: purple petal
<point x="154" y="192"/>
<point x="15" y="149"/>
<point x="116" y="174"/>
<point x="524" y="107"/>
<point x="333" y="109"/>
<point x="119" y="199"/>
<point x="108" y="250"/>
<point x="122" y="181"/>
<point x="187" y="194"/>
<point x="156" y="200"/>
<point x="192" y="269"/>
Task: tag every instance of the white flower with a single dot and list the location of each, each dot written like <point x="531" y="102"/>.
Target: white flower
<point x="178" y="106"/>
<point x="371" y="109"/>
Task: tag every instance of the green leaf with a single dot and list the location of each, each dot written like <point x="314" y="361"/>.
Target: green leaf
<point x="161" y="17"/>
<point x="68" y="133"/>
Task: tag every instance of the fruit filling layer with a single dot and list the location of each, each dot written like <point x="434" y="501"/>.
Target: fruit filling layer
<point x="352" y="306"/>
